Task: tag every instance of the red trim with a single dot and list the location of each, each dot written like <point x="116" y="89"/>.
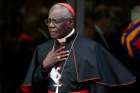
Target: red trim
<point x="118" y="85"/>
<point x="79" y="91"/>
<point x="49" y="91"/>
<point x="76" y="67"/>
<point x="25" y="88"/>
<point x="137" y="43"/>
<point x="98" y="79"/>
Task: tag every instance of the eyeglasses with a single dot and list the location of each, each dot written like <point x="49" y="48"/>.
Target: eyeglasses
<point x="55" y="21"/>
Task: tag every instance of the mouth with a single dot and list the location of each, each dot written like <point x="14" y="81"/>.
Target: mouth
<point x="52" y="29"/>
<point x="53" y="32"/>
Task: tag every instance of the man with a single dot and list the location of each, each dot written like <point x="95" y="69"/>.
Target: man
<point x="102" y="20"/>
<point x="131" y="36"/>
<point x="70" y="63"/>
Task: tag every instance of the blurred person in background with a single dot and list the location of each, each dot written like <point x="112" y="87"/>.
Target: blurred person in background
<point x="102" y="20"/>
<point x="130" y="41"/>
<point x="131" y="36"/>
<point x="106" y="30"/>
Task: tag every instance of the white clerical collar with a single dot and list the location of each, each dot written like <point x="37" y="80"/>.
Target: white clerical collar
<point x="101" y="34"/>
<point x="98" y="29"/>
<point x="64" y="38"/>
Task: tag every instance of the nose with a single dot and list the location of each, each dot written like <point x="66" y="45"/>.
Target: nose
<point x="51" y="25"/>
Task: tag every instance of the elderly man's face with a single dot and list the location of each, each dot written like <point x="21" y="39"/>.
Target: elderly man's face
<point x="59" y="22"/>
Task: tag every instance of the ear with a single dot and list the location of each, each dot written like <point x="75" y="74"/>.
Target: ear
<point x="71" y="22"/>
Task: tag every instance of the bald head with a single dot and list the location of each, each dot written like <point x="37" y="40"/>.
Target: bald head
<point x="60" y="21"/>
<point x="60" y="10"/>
<point x="135" y="13"/>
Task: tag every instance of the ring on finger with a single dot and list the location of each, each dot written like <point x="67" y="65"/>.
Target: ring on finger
<point x="58" y="57"/>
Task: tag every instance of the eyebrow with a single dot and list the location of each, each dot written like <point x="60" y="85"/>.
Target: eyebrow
<point x="59" y="18"/>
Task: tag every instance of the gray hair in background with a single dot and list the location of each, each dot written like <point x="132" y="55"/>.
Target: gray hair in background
<point x="135" y="13"/>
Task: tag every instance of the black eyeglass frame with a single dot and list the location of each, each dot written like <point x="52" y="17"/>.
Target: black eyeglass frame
<point x="56" y="21"/>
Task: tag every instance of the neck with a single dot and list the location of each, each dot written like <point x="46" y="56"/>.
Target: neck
<point x="67" y="36"/>
<point x="101" y="25"/>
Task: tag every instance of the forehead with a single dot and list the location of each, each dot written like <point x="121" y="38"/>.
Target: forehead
<point x="58" y="11"/>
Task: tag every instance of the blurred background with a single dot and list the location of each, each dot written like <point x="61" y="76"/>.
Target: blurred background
<point x="22" y="28"/>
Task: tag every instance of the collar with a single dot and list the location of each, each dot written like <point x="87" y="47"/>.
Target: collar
<point x="99" y="30"/>
<point x="64" y="38"/>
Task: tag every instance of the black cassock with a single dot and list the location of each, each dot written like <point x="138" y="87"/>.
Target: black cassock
<point x="89" y="66"/>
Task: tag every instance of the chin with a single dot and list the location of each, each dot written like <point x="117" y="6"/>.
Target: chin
<point x="53" y="36"/>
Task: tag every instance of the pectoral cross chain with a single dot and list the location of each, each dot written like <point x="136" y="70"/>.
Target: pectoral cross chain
<point x="57" y="87"/>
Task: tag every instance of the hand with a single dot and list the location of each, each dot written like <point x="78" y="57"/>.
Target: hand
<point x="55" y="56"/>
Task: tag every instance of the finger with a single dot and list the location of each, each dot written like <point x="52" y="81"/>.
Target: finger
<point x="62" y="53"/>
<point x="60" y="49"/>
<point x="62" y="59"/>
<point x="53" y="49"/>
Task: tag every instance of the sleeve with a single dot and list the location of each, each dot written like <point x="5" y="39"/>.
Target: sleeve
<point x="27" y="84"/>
<point x="98" y="88"/>
<point x="39" y="76"/>
<point x="105" y="69"/>
<point x="35" y="76"/>
<point x="111" y="71"/>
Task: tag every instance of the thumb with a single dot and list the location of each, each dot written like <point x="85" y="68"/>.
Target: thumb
<point x="53" y="49"/>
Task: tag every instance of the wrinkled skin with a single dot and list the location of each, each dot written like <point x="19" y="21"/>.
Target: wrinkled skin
<point x="60" y="23"/>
